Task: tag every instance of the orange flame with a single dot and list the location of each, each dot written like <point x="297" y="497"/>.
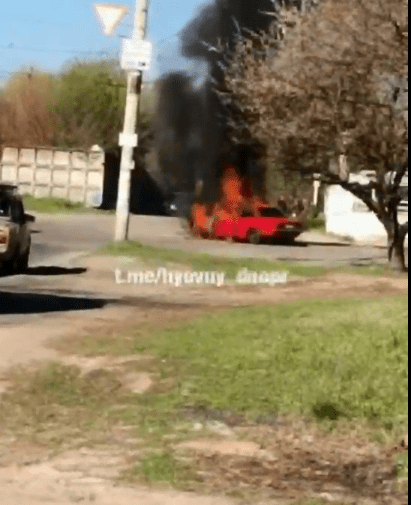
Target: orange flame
<point x="236" y="198"/>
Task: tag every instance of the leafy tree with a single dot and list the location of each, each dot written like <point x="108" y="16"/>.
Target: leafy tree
<point x="82" y="106"/>
<point x="330" y="85"/>
<point x="91" y="100"/>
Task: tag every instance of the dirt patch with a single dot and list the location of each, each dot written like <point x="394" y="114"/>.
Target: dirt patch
<point x="21" y="452"/>
<point x="300" y="462"/>
<point x="136" y="382"/>
<point x="285" y="460"/>
<point x="227" y="448"/>
<point x="120" y="324"/>
<point x="43" y="483"/>
<point x="32" y="340"/>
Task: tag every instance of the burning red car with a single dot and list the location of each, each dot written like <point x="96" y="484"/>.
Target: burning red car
<point x="241" y="215"/>
<point x="258" y="229"/>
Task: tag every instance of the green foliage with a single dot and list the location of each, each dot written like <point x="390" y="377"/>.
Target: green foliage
<point x="78" y="108"/>
<point x="91" y="101"/>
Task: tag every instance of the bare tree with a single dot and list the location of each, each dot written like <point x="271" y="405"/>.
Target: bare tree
<point x="27" y="109"/>
<point x="326" y="86"/>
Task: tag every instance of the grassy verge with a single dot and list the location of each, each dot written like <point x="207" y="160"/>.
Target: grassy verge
<point x="330" y="360"/>
<point x="161" y="467"/>
<point x="317" y="223"/>
<point x="337" y="363"/>
<point x="205" y="262"/>
<point x="158" y="256"/>
<point x="56" y="206"/>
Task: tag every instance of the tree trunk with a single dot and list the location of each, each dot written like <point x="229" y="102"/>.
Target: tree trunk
<point x="396" y="249"/>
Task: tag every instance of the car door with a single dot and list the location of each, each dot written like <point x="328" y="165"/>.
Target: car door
<point x="17" y="218"/>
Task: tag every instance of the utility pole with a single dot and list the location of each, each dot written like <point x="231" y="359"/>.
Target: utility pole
<point x="134" y="83"/>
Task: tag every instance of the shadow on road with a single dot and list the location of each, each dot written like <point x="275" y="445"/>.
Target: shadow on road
<point x="326" y="244"/>
<point x="16" y="303"/>
<point x="33" y="303"/>
<point x="298" y="243"/>
<point x="49" y="271"/>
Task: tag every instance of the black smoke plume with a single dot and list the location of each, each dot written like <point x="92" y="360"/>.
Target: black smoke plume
<point x="191" y="141"/>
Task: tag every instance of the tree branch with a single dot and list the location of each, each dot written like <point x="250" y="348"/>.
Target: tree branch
<point x="359" y="190"/>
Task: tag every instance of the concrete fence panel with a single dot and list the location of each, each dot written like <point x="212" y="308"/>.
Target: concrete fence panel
<point x="77" y="176"/>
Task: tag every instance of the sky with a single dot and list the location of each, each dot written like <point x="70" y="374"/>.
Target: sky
<point x="46" y="34"/>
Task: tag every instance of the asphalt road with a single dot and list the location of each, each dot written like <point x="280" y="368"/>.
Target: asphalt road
<point x="41" y="298"/>
<point x="56" y="239"/>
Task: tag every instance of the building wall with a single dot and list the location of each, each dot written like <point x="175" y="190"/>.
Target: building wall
<point x="347" y="216"/>
<point x="77" y="176"/>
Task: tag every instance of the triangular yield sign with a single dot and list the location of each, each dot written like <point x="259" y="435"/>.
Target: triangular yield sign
<point x="110" y="16"/>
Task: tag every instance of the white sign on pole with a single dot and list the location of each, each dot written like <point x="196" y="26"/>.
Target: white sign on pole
<point x="110" y="16"/>
<point x="128" y="140"/>
<point x="136" y="55"/>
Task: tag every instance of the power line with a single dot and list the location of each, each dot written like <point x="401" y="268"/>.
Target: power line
<point x="40" y="21"/>
<point x="157" y="43"/>
<point x="17" y="72"/>
<point x="12" y="47"/>
<point x="171" y="36"/>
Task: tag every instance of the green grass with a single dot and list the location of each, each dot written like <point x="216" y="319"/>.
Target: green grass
<point x="402" y="466"/>
<point x="330" y="360"/>
<point x="158" y="257"/>
<point x="205" y="262"/>
<point x="316" y="223"/>
<point x="58" y="394"/>
<point x="160" y="468"/>
<point x="56" y="206"/>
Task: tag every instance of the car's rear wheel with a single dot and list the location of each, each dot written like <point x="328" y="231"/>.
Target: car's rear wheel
<point x="288" y="240"/>
<point x="6" y="268"/>
<point x="9" y="267"/>
<point x="23" y="262"/>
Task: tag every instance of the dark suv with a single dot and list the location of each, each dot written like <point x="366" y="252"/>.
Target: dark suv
<point x="15" y="238"/>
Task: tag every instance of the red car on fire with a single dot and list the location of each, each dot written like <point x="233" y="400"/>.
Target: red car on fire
<point x="242" y="215"/>
<point x="270" y="226"/>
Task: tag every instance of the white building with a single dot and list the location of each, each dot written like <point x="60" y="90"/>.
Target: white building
<point x="347" y="216"/>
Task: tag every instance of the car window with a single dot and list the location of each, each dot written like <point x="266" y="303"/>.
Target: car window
<point x="271" y="212"/>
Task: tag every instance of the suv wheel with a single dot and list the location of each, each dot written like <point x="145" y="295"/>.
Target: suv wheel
<point x="23" y="262"/>
<point x="9" y="267"/>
